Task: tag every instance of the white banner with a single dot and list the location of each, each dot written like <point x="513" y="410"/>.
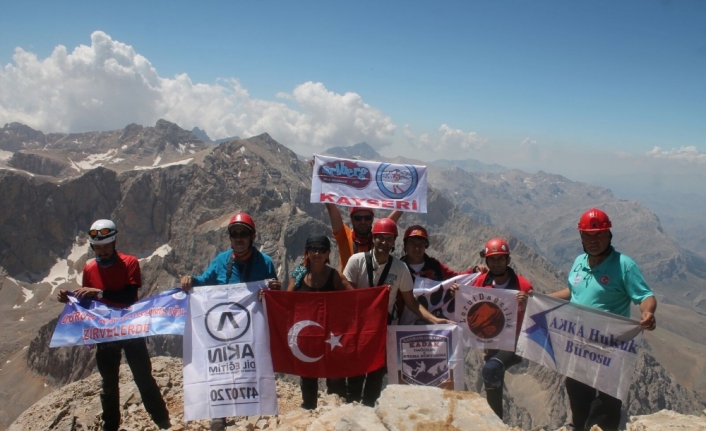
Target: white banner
<point x="425" y="355"/>
<point x="369" y="184"/>
<point x="488" y="317"/>
<point x="597" y="348"/>
<point x="436" y="297"/>
<point x="227" y="362"/>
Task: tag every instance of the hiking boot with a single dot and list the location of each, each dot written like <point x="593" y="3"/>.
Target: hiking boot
<point x="164" y="424"/>
<point x="218" y="424"/>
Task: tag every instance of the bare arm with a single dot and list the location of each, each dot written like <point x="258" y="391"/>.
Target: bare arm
<point x="395" y="215"/>
<point x="341" y="283"/>
<point x="335" y="216"/>
<point x="648" y="308"/>
<point x="290" y="286"/>
<point x="411" y="302"/>
<point x="564" y="294"/>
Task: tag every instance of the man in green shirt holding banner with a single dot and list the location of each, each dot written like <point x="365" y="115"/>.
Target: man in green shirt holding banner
<point x="607" y="280"/>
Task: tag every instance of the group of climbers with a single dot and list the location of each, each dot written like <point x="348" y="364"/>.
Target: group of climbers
<point x="601" y="278"/>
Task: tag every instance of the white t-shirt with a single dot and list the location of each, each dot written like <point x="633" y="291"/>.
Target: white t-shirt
<point x="501" y="286"/>
<point x="398" y="278"/>
<point x="416" y="267"/>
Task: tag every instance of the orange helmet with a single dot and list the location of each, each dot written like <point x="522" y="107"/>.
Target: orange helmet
<point x="242" y="219"/>
<point x="385" y="226"/>
<point x="495" y="246"/>
<point x="418" y="231"/>
<point x="594" y="220"/>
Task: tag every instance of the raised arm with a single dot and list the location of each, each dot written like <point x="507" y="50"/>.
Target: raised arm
<point x="395" y="215"/>
<point x="335" y="216"/>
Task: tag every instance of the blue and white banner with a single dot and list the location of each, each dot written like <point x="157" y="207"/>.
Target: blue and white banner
<point x="92" y="322"/>
<point x="227" y="361"/>
<point x="594" y="347"/>
<point x="358" y="183"/>
<point x="425" y="355"/>
<point x="436" y="297"/>
<point x="488" y="317"/>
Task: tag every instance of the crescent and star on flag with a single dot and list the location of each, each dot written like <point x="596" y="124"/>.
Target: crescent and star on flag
<point x="293" y="335"/>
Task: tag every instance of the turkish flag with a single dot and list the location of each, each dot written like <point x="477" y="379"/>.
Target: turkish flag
<point x="327" y="334"/>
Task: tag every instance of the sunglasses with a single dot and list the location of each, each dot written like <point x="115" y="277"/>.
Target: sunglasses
<point x="95" y="232"/>
<point x="359" y="218"/>
<point x="240" y="234"/>
<point x="317" y="250"/>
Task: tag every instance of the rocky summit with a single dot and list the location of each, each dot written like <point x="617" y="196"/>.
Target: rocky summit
<point x="171" y="195"/>
<point x="77" y="407"/>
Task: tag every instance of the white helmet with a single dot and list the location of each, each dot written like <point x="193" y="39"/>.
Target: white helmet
<point x="102" y="232"/>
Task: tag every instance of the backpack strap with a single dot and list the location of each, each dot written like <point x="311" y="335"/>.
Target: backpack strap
<point x="383" y="276"/>
<point x="369" y="268"/>
<point x="229" y="268"/>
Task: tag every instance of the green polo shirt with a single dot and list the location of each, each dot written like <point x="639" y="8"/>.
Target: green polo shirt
<point x="609" y="286"/>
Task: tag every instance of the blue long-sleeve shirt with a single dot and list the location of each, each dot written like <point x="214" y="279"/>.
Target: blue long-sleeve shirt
<point x="262" y="269"/>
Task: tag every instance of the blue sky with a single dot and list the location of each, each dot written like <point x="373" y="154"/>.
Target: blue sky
<point x="535" y="85"/>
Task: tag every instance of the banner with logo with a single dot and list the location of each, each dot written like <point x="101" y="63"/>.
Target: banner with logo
<point x="357" y="183"/>
<point x="90" y="322"/>
<point x="227" y="362"/>
<point x="425" y="355"/>
<point x="328" y="334"/>
<point x="488" y="317"/>
<point x="594" y="347"/>
<point x="436" y="297"/>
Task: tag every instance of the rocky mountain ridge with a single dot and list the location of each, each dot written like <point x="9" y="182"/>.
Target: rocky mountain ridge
<point x="77" y="407"/>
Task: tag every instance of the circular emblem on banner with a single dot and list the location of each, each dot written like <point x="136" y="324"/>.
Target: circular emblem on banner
<point x="397" y="181"/>
<point x="605" y="279"/>
<point x="486" y="320"/>
<point x="179" y="295"/>
<point x="227" y="321"/>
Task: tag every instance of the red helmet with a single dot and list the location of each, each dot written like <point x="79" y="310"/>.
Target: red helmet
<point x="494" y="247"/>
<point x="356" y="209"/>
<point x="385" y="226"/>
<point x="242" y="219"/>
<point x="594" y="220"/>
<point x="418" y="231"/>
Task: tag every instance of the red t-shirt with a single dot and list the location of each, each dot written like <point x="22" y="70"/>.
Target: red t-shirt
<point x="124" y="271"/>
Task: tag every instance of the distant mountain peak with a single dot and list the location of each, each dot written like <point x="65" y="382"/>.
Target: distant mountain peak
<point x="470" y="165"/>
<point x="201" y="134"/>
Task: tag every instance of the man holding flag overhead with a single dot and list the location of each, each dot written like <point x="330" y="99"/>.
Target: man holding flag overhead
<point x="607" y="280"/>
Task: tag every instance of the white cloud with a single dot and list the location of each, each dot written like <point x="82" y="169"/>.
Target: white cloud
<point x="107" y="85"/>
<point x="529" y="150"/>
<point x="689" y="154"/>
<point x="446" y="138"/>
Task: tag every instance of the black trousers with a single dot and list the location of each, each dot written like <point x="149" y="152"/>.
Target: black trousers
<point x="108" y="357"/>
<point x="590" y="406"/>
<point x="496" y="362"/>
<point x="310" y="390"/>
<point x="365" y="388"/>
